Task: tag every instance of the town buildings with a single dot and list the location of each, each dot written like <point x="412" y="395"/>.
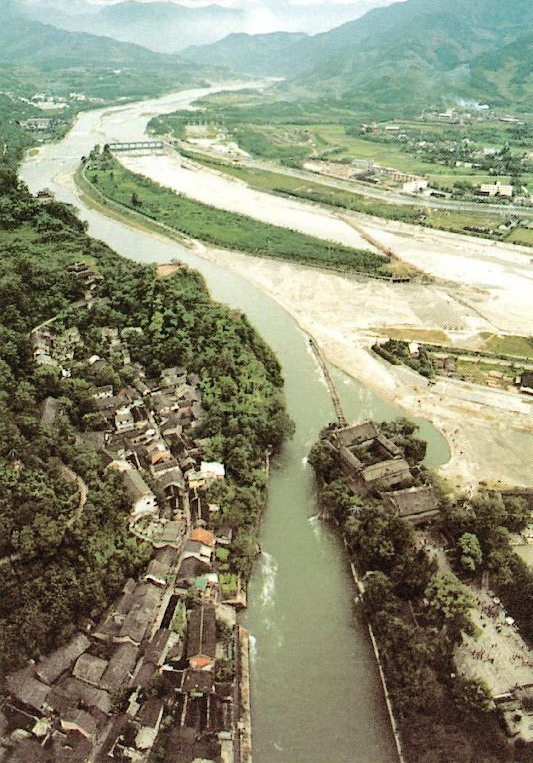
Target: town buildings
<point x="156" y="658"/>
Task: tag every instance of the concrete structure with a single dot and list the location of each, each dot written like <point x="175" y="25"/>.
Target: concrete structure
<point x="496" y="189"/>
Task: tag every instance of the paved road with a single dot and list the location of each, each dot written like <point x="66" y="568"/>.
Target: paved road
<point x="393" y="197"/>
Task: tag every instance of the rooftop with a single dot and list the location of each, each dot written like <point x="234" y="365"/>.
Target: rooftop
<point x="59" y="661"/>
<point x="120" y="665"/>
<point x="24" y="687"/>
<point x="357" y="433"/>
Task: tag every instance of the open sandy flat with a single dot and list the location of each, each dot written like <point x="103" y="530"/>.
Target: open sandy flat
<point x="477" y="286"/>
<point x="489" y="432"/>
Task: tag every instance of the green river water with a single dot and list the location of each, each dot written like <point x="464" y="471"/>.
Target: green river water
<point x="316" y="693"/>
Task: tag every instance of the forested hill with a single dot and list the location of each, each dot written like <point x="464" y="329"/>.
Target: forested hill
<point x="253" y="54"/>
<point x="31" y="43"/>
<point x="57" y="565"/>
<point x="36" y="57"/>
<point x="402" y="57"/>
<point x="415" y="51"/>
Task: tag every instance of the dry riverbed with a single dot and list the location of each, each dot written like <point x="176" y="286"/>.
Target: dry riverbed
<point x="489" y="431"/>
<point x="476" y="286"/>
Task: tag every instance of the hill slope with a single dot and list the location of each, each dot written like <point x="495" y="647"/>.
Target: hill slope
<point x="160" y="26"/>
<point x="400" y="57"/>
<point x="414" y="51"/>
<point x="168" y="26"/>
<point x="28" y="42"/>
<point x="253" y="54"/>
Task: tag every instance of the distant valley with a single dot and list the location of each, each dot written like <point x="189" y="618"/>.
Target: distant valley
<point x="397" y="58"/>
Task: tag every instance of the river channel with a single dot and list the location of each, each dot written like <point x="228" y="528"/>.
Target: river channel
<point x="316" y="693"/>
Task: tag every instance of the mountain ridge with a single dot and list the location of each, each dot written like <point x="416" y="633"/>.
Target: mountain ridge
<point x="404" y="55"/>
<point x="25" y="41"/>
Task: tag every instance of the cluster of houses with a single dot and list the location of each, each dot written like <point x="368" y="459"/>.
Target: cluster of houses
<point x="154" y="659"/>
<point x="375" y="466"/>
<point x="51" y="348"/>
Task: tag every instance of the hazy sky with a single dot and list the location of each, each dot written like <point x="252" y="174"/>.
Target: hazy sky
<point x="265" y="3"/>
<point x="276" y="15"/>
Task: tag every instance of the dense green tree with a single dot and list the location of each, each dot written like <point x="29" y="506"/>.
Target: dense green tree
<point x="471" y="554"/>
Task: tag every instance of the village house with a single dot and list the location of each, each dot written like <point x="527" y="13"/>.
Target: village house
<point x="357" y="434"/>
<point x="415" y="503"/>
<point x="163" y="464"/>
<point x="163" y="404"/>
<point x="89" y="668"/>
<point x="201" y="637"/>
<point x="158" y="572"/>
<point x="143" y="500"/>
<point x="109" y="405"/>
<point x="157" y="649"/>
<point x="121" y="665"/>
<point x="103" y="393"/>
<point x="170" y="535"/>
<point x="80" y="721"/>
<point x="173" y="377"/>
<point x="209" y="472"/>
<point x="526" y="382"/>
<point x="28" y="690"/>
<point x="191" y="568"/>
<point x="200" y="534"/>
<point x="383" y="466"/>
<point x="51" y="667"/>
<point x="385" y="475"/>
<point x="124" y="421"/>
<point x="144" y="605"/>
<point x="36" y="124"/>
<point x="197" y="549"/>
<point x="197" y="683"/>
<point x="149" y="718"/>
<point x="496" y="189"/>
<point x="172" y="481"/>
<point x="71" y="692"/>
<point x="111" y="624"/>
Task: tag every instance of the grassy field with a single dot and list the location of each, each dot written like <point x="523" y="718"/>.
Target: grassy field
<point x="391" y="155"/>
<point x="432" y="336"/>
<point x="276" y="182"/>
<point x="521" y="346"/>
<point x="478" y="371"/>
<point x="226" y="229"/>
<point x="359" y="148"/>
<point x="521" y="236"/>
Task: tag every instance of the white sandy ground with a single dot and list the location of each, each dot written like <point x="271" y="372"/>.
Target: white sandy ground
<point x="235" y="196"/>
<point x="500" y="276"/>
<point x="478" y="286"/>
<point x="490" y="432"/>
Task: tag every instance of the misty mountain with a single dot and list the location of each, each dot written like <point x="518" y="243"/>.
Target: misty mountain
<point x="415" y="51"/>
<point x="28" y="42"/>
<point x="251" y="54"/>
<point x="402" y="56"/>
<point x="160" y="26"/>
<point x="170" y="27"/>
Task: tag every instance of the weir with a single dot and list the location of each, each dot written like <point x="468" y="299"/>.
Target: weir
<point x="341" y="418"/>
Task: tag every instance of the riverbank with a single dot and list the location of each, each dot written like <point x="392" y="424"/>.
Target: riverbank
<point x="327" y="307"/>
<point x="390" y="516"/>
<point x="340" y="313"/>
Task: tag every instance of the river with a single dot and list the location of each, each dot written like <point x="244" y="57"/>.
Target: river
<point x="316" y="694"/>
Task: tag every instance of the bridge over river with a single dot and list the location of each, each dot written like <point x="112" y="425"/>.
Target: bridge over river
<point x="143" y="147"/>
